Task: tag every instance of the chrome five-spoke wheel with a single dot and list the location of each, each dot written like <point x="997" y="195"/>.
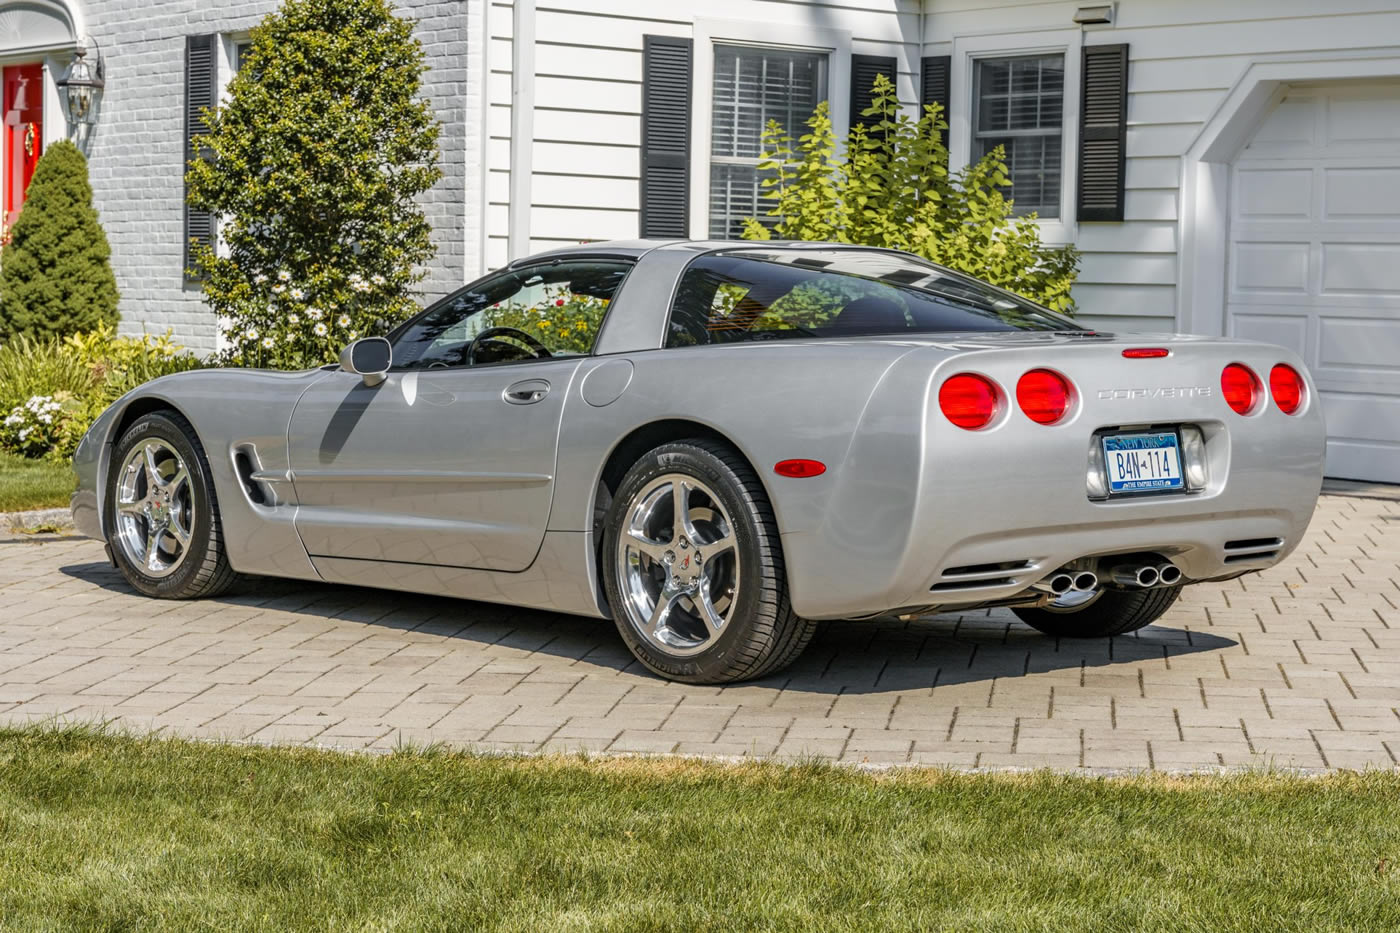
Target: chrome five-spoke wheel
<point x="678" y="564"/>
<point x="155" y="506"/>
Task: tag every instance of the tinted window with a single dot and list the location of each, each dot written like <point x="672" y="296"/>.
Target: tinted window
<point x="786" y="293"/>
<point x="557" y="307"/>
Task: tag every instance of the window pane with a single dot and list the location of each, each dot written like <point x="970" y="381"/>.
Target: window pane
<point x="1020" y="106"/>
<point x="561" y="307"/>
<point x="782" y="294"/>
<point x="751" y="87"/>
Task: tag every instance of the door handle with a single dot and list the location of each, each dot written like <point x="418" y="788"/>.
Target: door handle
<point x="526" y="393"/>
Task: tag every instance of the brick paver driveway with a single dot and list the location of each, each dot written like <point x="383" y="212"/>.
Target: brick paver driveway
<point x="1299" y="667"/>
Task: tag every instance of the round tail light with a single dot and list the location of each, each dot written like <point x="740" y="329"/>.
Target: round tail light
<point x="1043" y="395"/>
<point x="1240" y="387"/>
<point x="1286" y="386"/>
<point x="968" y="400"/>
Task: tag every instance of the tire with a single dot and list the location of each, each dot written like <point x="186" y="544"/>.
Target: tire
<point x="1114" y="612"/>
<point x="190" y="569"/>
<point x="741" y="580"/>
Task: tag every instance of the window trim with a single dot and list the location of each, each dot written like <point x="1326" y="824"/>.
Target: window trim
<point x="967" y="50"/>
<point x="709" y="32"/>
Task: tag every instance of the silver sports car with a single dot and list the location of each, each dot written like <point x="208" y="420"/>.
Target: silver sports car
<point x="717" y="444"/>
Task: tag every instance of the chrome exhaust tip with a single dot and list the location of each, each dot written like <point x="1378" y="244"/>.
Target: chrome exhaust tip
<point x="1086" y="581"/>
<point x="1130" y="575"/>
<point x="1168" y="574"/>
<point x="1057" y="584"/>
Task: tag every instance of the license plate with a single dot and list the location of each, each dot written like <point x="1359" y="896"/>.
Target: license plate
<point x="1142" y="462"/>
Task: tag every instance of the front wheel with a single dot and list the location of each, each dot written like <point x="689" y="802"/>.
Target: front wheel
<point x="693" y="568"/>
<point x="1105" y="614"/>
<point x="163" y="516"/>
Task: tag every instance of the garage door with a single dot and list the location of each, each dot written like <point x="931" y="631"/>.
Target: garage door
<point x="1314" y="260"/>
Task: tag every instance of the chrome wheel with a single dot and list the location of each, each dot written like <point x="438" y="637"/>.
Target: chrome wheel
<point x="154" y="508"/>
<point x="678" y="565"/>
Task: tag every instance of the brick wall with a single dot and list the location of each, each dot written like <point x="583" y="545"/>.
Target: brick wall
<point x="137" y="149"/>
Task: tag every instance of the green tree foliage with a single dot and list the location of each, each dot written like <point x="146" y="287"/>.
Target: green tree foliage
<point x="55" y="273"/>
<point x="313" y="166"/>
<point x="892" y="188"/>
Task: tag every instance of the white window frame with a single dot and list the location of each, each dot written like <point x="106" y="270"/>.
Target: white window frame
<point x="708" y="33"/>
<point x="967" y="50"/>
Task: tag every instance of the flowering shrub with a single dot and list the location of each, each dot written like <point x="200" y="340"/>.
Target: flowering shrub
<point x="317" y="159"/>
<point x="564" y="322"/>
<point x="37" y="427"/>
<point x="53" y="390"/>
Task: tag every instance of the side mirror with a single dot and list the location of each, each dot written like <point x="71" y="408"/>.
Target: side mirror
<point x="368" y="358"/>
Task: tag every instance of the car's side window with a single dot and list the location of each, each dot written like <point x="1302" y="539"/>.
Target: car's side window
<point x="541" y="311"/>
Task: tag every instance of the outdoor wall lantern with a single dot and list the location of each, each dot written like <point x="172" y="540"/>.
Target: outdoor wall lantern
<point x="82" y="88"/>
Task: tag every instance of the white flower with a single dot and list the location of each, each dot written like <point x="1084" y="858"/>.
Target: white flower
<point x="354" y="335"/>
<point x="14" y="420"/>
<point x="250" y="334"/>
<point x="278" y="289"/>
<point x="259" y="279"/>
<point x="377" y="279"/>
<point x="298" y="294"/>
<point x="268" y="342"/>
<point x="294" y="319"/>
<point x="343" y="321"/>
<point x="284" y="276"/>
<point x="320" y="330"/>
<point x="24" y="433"/>
<point x="313" y="313"/>
<point x="47" y="419"/>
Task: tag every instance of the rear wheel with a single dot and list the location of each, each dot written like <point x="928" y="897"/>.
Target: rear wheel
<point x="694" y="569"/>
<point x="1102" y="615"/>
<point x="162" y="512"/>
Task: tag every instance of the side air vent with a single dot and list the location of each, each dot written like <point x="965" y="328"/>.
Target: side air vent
<point x="987" y="583"/>
<point x="1252" y="549"/>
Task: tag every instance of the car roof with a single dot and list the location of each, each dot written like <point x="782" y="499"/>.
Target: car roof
<point x="635" y="249"/>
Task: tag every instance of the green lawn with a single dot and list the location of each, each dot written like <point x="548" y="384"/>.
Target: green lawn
<point x="33" y="484"/>
<point x="111" y="833"/>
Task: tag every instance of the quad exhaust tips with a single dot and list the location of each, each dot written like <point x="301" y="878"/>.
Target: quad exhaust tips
<point x="1146" y="575"/>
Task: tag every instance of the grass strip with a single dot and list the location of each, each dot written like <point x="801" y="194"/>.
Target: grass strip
<point x="33" y="484"/>
<point x="101" y="831"/>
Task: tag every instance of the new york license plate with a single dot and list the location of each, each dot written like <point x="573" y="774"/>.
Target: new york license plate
<point x="1142" y="462"/>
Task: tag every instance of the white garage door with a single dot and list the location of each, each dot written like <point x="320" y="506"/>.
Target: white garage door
<point x="1315" y="260"/>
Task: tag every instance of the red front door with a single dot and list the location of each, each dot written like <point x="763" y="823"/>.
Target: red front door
<point x="24" y="132"/>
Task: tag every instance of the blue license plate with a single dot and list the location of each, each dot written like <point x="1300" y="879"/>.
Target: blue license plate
<point x="1142" y="462"/>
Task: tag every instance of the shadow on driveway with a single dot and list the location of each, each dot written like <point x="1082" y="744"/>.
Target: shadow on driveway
<point x="844" y="657"/>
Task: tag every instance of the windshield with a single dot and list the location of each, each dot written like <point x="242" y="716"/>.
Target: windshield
<point x="783" y="293"/>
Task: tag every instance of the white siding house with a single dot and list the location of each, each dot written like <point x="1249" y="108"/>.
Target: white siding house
<point x="1226" y="166"/>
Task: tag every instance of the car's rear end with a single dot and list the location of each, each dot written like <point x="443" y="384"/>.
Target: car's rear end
<point x="1055" y="463"/>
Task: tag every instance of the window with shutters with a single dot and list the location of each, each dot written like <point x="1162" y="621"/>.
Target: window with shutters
<point x="752" y="86"/>
<point x="1019" y="105"/>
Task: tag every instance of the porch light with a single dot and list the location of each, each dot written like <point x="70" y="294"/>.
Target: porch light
<point x="82" y="88"/>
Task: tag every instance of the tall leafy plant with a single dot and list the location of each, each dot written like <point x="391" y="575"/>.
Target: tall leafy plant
<point x="891" y="187"/>
<point x="313" y="166"/>
<point x="56" y="273"/>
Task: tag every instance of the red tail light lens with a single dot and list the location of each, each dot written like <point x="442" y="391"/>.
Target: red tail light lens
<point x="1286" y="386"/>
<point x="1145" y="353"/>
<point x="1240" y="387"/>
<point x="1043" y="395"/>
<point x="968" y="400"/>
<point x="799" y="469"/>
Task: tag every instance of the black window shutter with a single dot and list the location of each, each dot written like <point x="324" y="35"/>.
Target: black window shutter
<point x="934" y="82"/>
<point x="864" y="68"/>
<point x="666" y="81"/>
<point x="1103" y="133"/>
<point x="200" y="93"/>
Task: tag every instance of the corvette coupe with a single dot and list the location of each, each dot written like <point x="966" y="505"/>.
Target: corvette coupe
<point x="716" y="445"/>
